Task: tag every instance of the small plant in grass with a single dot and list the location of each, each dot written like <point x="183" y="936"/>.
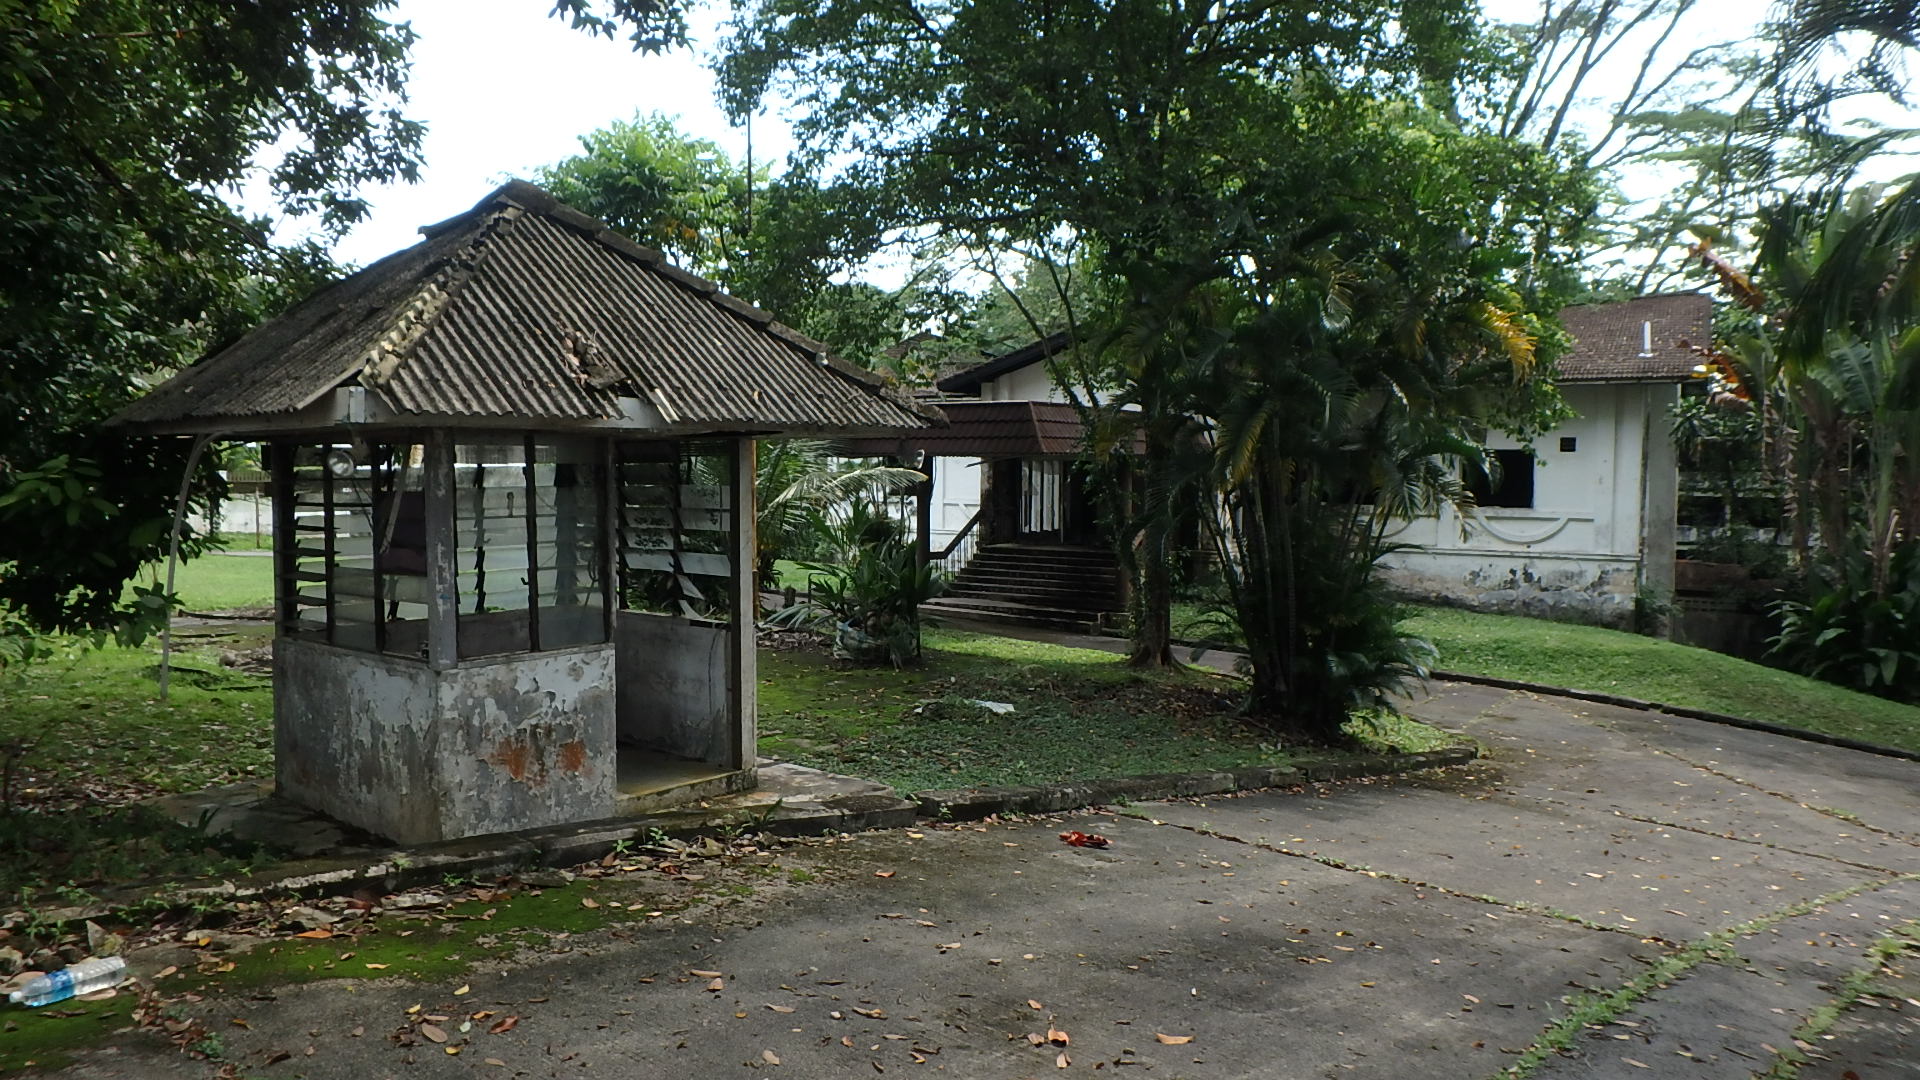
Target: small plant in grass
<point x="869" y="600"/>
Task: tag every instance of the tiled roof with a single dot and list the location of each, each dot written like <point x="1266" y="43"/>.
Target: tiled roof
<point x="526" y="308"/>
<point x="1610" y="341"/>
<point x="988" y="429"/>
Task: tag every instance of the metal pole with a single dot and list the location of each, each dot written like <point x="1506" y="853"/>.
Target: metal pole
<point x="173" y="559"/>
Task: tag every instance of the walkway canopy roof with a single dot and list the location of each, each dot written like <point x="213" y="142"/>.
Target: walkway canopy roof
<point x="524" y="312"/>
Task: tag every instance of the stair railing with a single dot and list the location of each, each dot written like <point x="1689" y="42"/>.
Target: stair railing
<point x="959" y="551"/>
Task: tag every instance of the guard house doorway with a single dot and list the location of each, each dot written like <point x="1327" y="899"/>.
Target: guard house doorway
<point x="1055" y="504"/>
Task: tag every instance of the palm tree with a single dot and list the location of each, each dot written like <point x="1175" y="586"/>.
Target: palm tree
<point x="796" y="480"/>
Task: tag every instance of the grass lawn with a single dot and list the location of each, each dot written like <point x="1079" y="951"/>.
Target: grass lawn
<point x="1612" y="661"/>
<point x="218" y="581"/>
<point x="1078" y="714"/>
<point x="94" y="737"/>
<point x="1590" y="658"/>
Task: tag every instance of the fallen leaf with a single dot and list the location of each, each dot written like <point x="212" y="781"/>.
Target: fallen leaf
<point x="873" y="1014"/>
<point x="1034" y="1038"/>
<point x="237" y="1022"/>
<point x="698" y="974"/>
<point x="1080" y="839"/>
<point x="883" y="873"/>
<point x="1057" y="1037"/>
<point x="433" y="1033"/>
<point x="503" y="1025"/>
<point x="589" y="902"/>
<point x="1636" y="1064"/>
<point x="783" y="1009"/>
<point x="451" y="1050"/>
<point x="1173" y="1040"/>
<point x="1032" y="1004"/>
<point x="165" y="971"/>
<point x="497" y="1061"/>
<point x="716" y="986"/>
<point x="769" y="1057"/>
<point x="315" y="934"/>
<point x="1062" y="1061"/>
<point x="463" y="991"/>
<point x="278" y="1056"/>
<point x="376" y="967"/>
<point x="846" y="1041"/>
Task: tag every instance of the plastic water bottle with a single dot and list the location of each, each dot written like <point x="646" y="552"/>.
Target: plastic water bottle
<point x="82" y="978"/>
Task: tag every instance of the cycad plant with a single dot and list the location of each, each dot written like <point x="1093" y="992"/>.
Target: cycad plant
<point x="796" y="482"/>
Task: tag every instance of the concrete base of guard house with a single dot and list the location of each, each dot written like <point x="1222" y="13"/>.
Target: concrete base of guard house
<point x="790" y="800"/>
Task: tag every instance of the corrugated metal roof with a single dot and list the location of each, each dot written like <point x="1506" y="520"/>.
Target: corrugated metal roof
<point x="525" y="308"/>
<point x="1610" y="341"/>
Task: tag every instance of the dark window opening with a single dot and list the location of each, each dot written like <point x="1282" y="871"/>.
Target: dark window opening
<point x="1510" y="486"/>
<point x="1568" y="444"/>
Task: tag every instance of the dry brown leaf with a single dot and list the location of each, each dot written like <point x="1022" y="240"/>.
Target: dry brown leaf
<point x="503" y="1025"/>
<point x="464" y="990"/>
<point x="699" y="974"/>
<point x="716" y="986"/>
<point x="769" y="1057"/>
<point x="846" y="1041"/>
<point x="433" y="1033"/>
<point x="1636" y="1064"/>
<point x="1062" y="1061"/>
<point x="782" y="1009"/>
<point x="883" y="873"/>
<point x="237" y="1022"/>
<point x="873" y="1013"/>
<point x="1057" y="1037"/>
<point x="497" y="1062"/>
<point x="1172" y="1040"/>
<point x="376" y="967"/>
<point x="315" y="934"/>
<point x="1032" y="1004"/>
<point x="589" y="902"/>
<point x="1036" y="1039"/>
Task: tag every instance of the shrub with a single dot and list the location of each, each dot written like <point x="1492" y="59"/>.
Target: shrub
<point x="1846" y="633"/>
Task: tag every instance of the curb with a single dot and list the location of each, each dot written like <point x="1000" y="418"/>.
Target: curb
<point x="503" y="854"/>
<point x="973" y="804"/>
<point x="1683" y="711"/>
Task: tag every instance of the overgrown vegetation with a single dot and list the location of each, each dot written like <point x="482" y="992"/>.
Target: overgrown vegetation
<point x="866" y="598"/>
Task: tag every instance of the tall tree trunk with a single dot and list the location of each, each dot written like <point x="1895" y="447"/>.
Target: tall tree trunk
<point x="1152" y="605"/>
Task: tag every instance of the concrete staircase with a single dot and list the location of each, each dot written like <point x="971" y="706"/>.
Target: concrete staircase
<point x="1068" y="588"/>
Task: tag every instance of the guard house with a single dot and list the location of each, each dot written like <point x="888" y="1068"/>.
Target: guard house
<point x="512" y="476"/>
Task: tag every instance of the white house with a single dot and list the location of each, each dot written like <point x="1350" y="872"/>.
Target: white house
<point x="1576" y="531"/>
<point x="1585" y="525"/>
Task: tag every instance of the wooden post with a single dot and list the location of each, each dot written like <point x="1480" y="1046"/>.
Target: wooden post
<point x="745" y="597"/>
<point x="443" y="582"/>
<point x="923" y="513"/>
<point x="286" y="587"/>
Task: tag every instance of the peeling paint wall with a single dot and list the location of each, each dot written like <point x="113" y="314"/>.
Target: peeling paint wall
<point x="675" y="687"/>
<point x="527" y="740"/>
<point x="418" y="755"/>
<point x="1593" y="590"/>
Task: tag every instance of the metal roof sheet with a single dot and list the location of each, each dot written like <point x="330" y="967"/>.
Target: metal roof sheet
<point x="525" y="308"/>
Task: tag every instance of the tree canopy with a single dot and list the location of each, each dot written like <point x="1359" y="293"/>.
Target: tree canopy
<point x="124" y="123"/>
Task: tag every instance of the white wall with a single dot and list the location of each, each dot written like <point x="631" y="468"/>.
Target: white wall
<point x="1030" y="383"/>
<point x="1576" y="554"/>
<point x="956" y="496"/>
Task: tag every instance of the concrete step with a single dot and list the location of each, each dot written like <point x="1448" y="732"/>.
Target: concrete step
<point x="1009" y="612"/>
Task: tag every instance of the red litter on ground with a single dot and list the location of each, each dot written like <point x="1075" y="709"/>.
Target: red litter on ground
<point x="1082" y="839"/>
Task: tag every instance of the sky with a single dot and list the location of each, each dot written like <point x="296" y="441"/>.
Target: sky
<point x="503" y="88"/>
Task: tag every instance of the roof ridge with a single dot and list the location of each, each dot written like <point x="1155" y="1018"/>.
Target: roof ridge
<point x="429" y="302"/>
<point x="535" y="199"/>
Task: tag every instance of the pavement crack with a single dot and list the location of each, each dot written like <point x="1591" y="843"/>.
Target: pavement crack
<point x="1526" y="907"/>
<point x="1590" y="1007"/>
<point x="1826" y="811"/>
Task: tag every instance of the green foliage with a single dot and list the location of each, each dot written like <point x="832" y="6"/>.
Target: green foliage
<point x="869" y="599"/>
<point x="800" y="487"/>
<point x="1847" y="632"/>
<point x="121" y="122"/>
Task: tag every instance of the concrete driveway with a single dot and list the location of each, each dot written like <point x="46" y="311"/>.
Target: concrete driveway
<point x="1698" y="893"/>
